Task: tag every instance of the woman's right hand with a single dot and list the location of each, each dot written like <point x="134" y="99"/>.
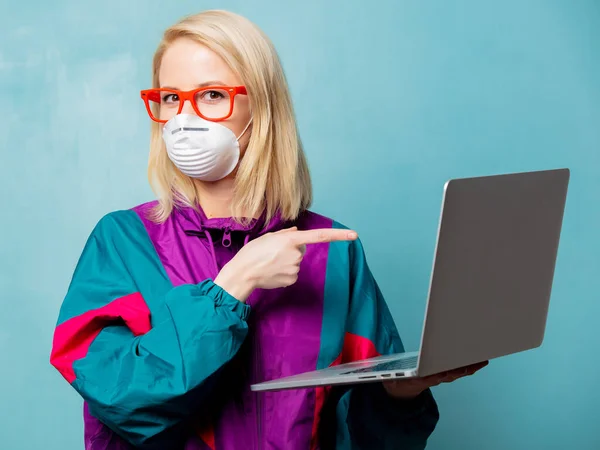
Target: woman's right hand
<point x="273" y="260"/>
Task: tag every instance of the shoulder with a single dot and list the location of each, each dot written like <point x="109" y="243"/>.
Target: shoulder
<point x="124" y="223"/>
<point x="144" y="211"/>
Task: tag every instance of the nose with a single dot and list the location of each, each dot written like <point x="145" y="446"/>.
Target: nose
<point x="187" y="108"/>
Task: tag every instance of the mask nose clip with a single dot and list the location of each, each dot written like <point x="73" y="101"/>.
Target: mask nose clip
<point x="179" y="130"/>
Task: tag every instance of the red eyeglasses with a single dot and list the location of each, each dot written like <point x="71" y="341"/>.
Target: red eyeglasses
<point x="214" y="103"/>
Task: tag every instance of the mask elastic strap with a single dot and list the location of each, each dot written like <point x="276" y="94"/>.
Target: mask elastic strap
<point x="245" y="129"/>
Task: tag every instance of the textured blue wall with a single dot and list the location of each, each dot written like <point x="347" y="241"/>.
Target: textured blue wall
<point x="393" y="98"/>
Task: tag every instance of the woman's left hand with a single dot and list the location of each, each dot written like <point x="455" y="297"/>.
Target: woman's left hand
<point x="410" y="388"/>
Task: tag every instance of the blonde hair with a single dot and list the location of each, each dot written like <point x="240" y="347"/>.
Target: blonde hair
<point x="273" y="175"/>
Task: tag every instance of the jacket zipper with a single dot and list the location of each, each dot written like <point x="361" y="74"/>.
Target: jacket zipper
<point x="226" y="241"/>
<point x="257" y="398"/>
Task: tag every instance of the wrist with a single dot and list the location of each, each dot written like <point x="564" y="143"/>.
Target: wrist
<point x="236" y="283"/>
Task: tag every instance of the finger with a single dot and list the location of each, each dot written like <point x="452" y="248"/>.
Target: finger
<point x="478" y="366"/>
<point x="470" y="370"/>
<point x="449" y="378"/>
<point x="473" y="371"/>
<point x="286" y="230"/>
<point x="323" y="235"/>
<point x="456" y="376"/>
<point x="458" y="373"/>
<point x="467" y="371"/>
<point x="434" y="380"/>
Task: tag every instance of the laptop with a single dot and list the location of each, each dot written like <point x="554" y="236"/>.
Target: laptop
<point x="490" y="285"/>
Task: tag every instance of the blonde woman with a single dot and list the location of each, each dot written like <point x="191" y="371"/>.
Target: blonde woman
<point x="178" y="305"/>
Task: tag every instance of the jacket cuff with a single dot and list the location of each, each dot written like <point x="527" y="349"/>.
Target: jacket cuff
<point x="379" y="403"/>
<point x="224" y="300"/>
<point x="401" y="409"/>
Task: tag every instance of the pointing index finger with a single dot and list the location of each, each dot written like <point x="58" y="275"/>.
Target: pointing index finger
<point x="323" y="235"/>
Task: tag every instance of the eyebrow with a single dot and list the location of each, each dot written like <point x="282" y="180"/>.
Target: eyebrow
<point x="201" y="85"/>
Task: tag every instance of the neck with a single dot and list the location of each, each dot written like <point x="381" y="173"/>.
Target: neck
<point x="216" y="197"/>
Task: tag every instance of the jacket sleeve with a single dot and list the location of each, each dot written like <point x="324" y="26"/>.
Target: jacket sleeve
<point x="367" y="417"/>
<point x="142" y="375"/>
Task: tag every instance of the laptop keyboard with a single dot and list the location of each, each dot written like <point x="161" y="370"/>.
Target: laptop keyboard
<point x="397" y="364"/>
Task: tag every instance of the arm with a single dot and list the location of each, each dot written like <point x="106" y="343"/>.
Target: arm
<point x="367" y="417"/>
<point x="142" y="376"/>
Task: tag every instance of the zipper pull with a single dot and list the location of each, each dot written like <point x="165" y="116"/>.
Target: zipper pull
<point x="226" y="238"/>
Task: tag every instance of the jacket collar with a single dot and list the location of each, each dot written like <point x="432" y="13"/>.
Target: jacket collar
<point x="194" y="220"/>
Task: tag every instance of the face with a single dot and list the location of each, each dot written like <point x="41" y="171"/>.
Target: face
<point x="187" y="65"/>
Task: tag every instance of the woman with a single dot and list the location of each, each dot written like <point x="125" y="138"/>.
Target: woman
<point x="178" y="305"/>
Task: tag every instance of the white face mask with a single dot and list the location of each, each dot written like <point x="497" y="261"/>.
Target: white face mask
<point x="201" y="149"/>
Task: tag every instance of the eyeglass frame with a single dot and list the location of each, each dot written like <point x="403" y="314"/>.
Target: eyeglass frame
<point x="190" y="95"/>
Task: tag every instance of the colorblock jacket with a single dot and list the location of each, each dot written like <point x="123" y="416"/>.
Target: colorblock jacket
<point x="164" y="358"/>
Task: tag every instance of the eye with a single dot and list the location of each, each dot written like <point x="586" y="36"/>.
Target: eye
<point x="212" y="96"/>
<point x="169" y="99"/>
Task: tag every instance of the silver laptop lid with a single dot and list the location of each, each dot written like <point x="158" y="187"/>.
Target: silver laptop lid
<point x="493" y="268"/>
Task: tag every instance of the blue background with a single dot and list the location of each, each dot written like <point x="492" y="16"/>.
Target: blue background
<point x="393" y="98"/>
